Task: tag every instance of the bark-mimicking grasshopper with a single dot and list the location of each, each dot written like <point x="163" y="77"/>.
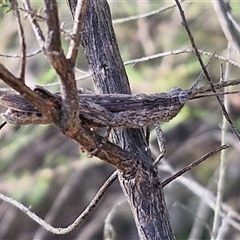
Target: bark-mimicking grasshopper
<point x="111" y="110"/>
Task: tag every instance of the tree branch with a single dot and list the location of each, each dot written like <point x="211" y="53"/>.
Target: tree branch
<point x="71" y="227"/>
<point x="79" y="17"/>
<point x="231" y="32"/>
<point x="144" y="190"/>
<point x="29" y="94"/>
<point x="109" y="152"/>
<point x="21" y="37"/>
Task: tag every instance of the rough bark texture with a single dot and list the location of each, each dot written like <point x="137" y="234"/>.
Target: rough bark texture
<point x="144" y="190"/>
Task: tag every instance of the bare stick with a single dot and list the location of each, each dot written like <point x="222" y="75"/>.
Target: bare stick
<point x="35" y="26"/>
<point x="21" y="34"/>
<point x="213" y="94"/>
<point x="144" y="15"/>
<point x="223" y="162"/>
<point x="32" y="54"/>
<point x="199" y="78"/>
<point x="57" y="230"/>
<point x="177" y="52"/>
<point x="193" y="164"/>
<point x="230" y="29"/>
<point x="218" y="85"/>
<point x="79" y="17"/>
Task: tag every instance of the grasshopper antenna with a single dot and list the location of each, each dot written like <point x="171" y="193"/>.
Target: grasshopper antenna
<point x="199" y="78"/>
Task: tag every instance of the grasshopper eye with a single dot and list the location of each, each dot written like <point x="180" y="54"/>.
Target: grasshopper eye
<point x="183" y="97"/>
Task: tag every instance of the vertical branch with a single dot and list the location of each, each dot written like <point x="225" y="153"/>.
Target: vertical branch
<point x="139" y="180"/>
<point x="35" y="26"/>
<point x="21" y="35"/>
<point x="53" y="41"/>
<point x="223" y="12"/>
<point x="79" y="17"/>
<point x="63" y="67"/>
<point x="223" y="162"/>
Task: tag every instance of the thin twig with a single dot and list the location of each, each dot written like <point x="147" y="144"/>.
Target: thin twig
<point x="58" y="230"/>
<point x="232" y="216"/>
<point x="21" y="35"/>
<point x="177" y="52"/>
<point x="199" y="78"/>
<point x="144" y="15"/>
<point x="223" y="163"/>
<point x="193" y="164"/>
<point x="35" y="26"/>
<point x="192" y="41"/>
<point x="79" y="17"/>
<point x="18" y="56"/>
<point x="212" y="94"/>
<point x="218" y="85"/>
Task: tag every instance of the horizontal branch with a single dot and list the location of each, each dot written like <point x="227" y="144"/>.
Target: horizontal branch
<point x="110" y="110"/>
<point x="29" y="94"/>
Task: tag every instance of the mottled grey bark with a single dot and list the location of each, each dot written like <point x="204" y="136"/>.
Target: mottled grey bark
<point x="143" y="187"/>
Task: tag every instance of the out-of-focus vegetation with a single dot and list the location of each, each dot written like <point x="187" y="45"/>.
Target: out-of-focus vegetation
<point x="37" y="163"/>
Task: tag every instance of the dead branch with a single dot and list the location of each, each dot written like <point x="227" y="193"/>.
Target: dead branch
<point x="79" y="17"/>
<point x="144" y="189"/>
<point x="71" y="227"/>
<point x="193" y="164"/>
<point x="227" y="22"/>
<point x="22" y="38"/>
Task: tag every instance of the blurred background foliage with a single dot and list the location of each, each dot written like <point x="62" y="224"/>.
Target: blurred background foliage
<point x="47" y="172"/>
